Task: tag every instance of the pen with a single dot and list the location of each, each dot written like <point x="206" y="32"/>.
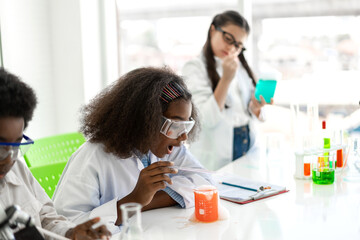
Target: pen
<point x="238" y="186"/>
<point x="264" y="194"/>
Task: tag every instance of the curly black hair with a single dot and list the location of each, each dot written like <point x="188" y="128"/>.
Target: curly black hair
<point x="127" y="115"/>
<point x="17" y="99"/>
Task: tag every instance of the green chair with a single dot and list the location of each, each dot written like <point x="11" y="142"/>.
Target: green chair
<point x="48" y="156"/>
<point x="48" y="176"/>
<point x="53" y="149"/>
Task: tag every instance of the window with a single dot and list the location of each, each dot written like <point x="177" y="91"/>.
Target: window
<point x="1" y="58"/>
<point x="160" y="32"/>
<point x="316" y="47"/>
<point x="165" y="41"/>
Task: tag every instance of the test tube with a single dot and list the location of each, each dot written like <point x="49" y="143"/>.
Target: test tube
<point x="307" y="166"/>
<point x="339" y="152"/>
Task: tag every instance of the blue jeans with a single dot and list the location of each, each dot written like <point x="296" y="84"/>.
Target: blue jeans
<point x="241" y="141"/>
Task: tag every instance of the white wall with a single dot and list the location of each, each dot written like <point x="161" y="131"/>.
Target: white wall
<point x="67" y="62"/>
<point x="26" y="43"/>
<point x="55" y="47"/>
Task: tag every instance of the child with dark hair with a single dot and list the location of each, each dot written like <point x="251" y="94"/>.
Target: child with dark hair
<point x="222" y="84"/>
<point x="135" y="128"/>
<point x="17" y="185"/>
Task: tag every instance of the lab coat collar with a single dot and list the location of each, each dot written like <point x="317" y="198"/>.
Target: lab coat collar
<point x="11" y="178"/>
<point x="218" y="61"/>
<point x="138" y="156"/>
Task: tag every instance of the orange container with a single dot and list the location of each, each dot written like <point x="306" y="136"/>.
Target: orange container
<point x="206" y="203"/>
<point x="339" y="158"/>
<point x="307" y="170"/>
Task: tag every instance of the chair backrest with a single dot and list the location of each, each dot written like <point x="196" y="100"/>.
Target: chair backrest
<point x="48" y="176"/>
<point x="53" y="149"/>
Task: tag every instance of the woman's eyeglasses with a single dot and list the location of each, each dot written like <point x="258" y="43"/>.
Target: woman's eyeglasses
<point x="229" y="39"/>
<point x="15" y="150"/>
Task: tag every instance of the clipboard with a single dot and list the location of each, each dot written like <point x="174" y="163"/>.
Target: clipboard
<point x="241" y="190"/>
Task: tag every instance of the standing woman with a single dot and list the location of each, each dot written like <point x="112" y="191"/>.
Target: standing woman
<point x="222" y="84"/>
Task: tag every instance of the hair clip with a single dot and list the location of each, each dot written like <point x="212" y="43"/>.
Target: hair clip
<point x="170" y="92"/>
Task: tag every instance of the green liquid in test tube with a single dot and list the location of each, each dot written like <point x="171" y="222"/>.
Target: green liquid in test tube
<point x="326" y="144"/>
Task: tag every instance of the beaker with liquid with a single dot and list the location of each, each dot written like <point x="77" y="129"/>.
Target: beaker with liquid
<point x="323" y="167"/>
<point x="206" y="203"/>
<point x="131" y="220"/>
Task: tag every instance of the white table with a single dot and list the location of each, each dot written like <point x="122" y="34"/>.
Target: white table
<point x="307" y="211"/>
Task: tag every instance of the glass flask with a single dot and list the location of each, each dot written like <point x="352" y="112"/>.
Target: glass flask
<point x="352" y="168"/>
<point x="131" y="220"/>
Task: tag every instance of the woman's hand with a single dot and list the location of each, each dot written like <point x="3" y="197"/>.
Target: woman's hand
<point x="152" y="179"/>
<point x="230" y="65"/>
<point x="85" y="231"/>
<point x="255" y="106"/>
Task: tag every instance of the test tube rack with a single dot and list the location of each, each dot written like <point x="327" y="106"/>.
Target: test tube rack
<point x="300" y="156"/>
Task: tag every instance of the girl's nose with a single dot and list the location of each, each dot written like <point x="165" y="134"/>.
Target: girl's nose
<point x="183" y="137"/>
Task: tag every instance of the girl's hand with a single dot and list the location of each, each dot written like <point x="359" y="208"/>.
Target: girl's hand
<point x="255" y="106"/>
<point x="85" y="231"/>
<point x="151" y="180"/>
<point x="230" y="65"/>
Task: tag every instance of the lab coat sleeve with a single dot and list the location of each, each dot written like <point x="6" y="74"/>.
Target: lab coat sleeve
<point x="174" y="195"/>
<point x="262" y="115"/>
<point x="77" y="197"/>
<point x="50" y="219"/>
<point x="184" y="181"/>
<point x="199" y="84"/>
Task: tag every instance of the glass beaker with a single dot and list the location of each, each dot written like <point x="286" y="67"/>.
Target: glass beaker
<point x="131" y="220"/>
<point x="206" y="203"/>
<point x="352" y="171"/>
<point x="274" y="146"/>
<point x="323" y="169"/>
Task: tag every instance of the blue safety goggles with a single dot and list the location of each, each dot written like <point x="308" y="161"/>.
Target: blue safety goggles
<point x="174" y="129"/>
<point x="15" y="150"/>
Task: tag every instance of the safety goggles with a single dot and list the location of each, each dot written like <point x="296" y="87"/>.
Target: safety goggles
<point x="15" y="150"/>
<point x="174" y="129"/>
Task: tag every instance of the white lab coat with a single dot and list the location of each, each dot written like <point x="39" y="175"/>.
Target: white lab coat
<point x="214" y="147"/>
<point x="19" y="187"/>
<point x="94" y="180"/>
